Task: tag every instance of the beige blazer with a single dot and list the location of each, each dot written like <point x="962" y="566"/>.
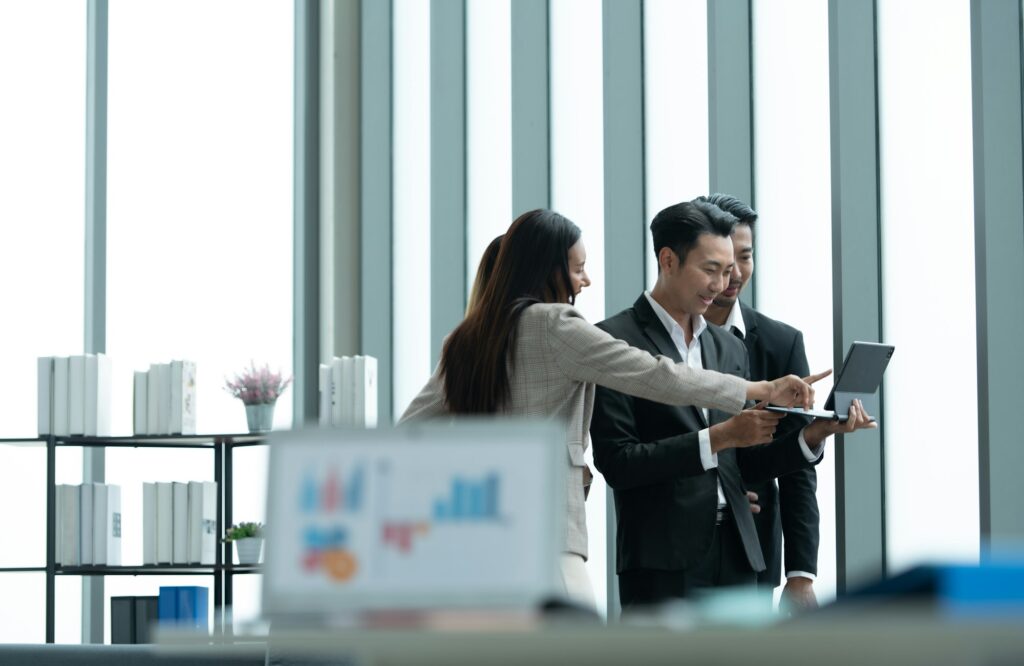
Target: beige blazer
<point x="559" y="357"/>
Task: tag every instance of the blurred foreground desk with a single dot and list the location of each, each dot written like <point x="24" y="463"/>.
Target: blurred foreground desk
<point x="882" y="638"/>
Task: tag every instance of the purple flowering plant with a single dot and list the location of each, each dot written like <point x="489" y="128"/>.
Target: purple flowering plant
<point x="257" y="386"/>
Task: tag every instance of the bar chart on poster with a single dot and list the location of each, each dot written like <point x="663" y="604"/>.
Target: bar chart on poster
<point x="415" y="517"/>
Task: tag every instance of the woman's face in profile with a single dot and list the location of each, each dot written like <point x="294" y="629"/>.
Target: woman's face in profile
<point x="577" y="267"/>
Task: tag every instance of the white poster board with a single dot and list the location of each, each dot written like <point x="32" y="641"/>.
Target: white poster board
<point x="425" y="516"/>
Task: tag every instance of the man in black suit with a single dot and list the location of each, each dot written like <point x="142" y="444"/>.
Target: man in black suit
<point x="789" y="507"/>
<point x="684" y="521"/>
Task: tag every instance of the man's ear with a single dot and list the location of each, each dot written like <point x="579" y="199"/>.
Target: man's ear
<point x="666" y="259"/>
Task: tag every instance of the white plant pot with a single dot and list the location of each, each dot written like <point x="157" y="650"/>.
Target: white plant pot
<point x="249" y="550"/>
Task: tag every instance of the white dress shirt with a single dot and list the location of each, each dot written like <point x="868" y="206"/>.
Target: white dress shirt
<point x="691" y="355"/>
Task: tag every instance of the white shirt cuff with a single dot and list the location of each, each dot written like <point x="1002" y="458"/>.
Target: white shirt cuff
<point x="800" y="574"/>
<point x="812" y="456"/>
<point x="708" y="459"/>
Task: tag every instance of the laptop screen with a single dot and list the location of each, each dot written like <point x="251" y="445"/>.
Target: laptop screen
<point x="424" y="516"/>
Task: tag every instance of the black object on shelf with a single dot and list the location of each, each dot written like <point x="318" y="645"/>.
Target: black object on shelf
<point x="223" y="568"/>
<point x="132" y="618"/>
<point x="122" y="620"/>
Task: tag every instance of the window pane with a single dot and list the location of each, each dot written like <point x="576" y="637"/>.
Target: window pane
<point x="793" y="197"/>
<point x="489" y="126"/>
<point x="23" y="611"/>
<point x="675" y="108"/>
<point x="200" y="196"/>
<point x="199" y="218"/>
<point x="42" y="222"/>
<point x="577" y="189"/>
<point x="411" y="183"/>
<point x="928" y="266"/>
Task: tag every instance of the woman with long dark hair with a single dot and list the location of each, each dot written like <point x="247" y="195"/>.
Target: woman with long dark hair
<point x="483" y="272"/>
<point x="523" y="350"/>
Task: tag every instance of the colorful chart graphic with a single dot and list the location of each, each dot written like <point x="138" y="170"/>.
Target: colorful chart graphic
<point x="399" y="535"/>
<point x="469" y="501"/>
<point x="327" y="549"/>
<point x="332" y="494"/>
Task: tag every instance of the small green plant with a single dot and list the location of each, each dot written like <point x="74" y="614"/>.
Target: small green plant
<point x="244" y="531"/>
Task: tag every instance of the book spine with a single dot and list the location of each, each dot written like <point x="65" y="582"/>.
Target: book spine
<point x="101" y="493"/>
<point x="90" y="395"/>
<point x="348" y="386"/>
<point x="61" y="424"/>
<point x="153" y="400"/>
<point x="209" y="518"/>
<point x="113" y="525"/>
<point x="76" y="395"/>
<point x="86" y="508"/>
<point x="180" y="522"/>
<point x="325" y="394"/>
<point x="365" y="392"/>
<point x="195" y="522"/>
<point x="336" y="392"/>
<point x="141" y="407"/>
<point x="149" y="523"/>
<point x="188" y="398"/>
<point x="71" y="523"/>
<point x="44" y="412"/>
<point x="164" y="523"/>
<point x="165" y="399"/>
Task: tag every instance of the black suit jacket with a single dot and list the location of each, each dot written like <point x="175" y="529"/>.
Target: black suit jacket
<point x="791" y="506"/>
<point x="650" y="455"/>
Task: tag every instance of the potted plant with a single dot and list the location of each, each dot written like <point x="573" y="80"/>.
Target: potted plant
<point x="258" y="389"/>
<point x="248" y="538"/>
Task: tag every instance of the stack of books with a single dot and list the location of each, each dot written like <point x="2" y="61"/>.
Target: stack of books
<point x="88" y="524"/>
<point x="74" y="395"/>
<point x="348" y="392"/>
<point x="165" y="399"/>
<point x="179" y="522"/>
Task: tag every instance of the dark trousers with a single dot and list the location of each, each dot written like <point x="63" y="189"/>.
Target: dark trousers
<point x="726" y="564"/>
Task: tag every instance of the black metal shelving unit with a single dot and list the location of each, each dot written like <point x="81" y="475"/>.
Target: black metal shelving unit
<point x="223" y="570"/>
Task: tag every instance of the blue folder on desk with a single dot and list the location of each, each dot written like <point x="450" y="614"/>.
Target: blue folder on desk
<point x="184" y="606"/>
<point x="962" y="590"/>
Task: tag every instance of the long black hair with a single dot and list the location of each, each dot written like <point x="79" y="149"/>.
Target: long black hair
<point x="532" y="266"/>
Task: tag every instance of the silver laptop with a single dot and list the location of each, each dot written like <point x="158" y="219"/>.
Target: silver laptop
<point x="858" y="379"/>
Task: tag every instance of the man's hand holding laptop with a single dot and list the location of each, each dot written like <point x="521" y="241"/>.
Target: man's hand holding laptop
<point x="820" y="429"/>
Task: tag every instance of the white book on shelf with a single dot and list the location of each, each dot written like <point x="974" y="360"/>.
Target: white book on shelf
<point x="336" y="391"/>
<point x="348" y="391"/>
<point x="180" y="522"/>
<point x="164" y="523"/>
<point x="44" y="412"/>
<point x="97" y="394"/>
<point x="61" y="426"/>
<point x="149" y="523"/>
<point x="365" y="393"/>
<point x="87" y="493"/>
<point x="76" y="395"/>
<point x="100" y="494"/>
<point x="139" y="425"/>
<point x="325" y="394"/>
<point x="70" y="545"/>
<point x="58" y="512"/>
<point x="164" y="405"/>
<point x="112" y="529"/>
<point x="153" y="399"/>
<point x="183" y="398"/>
<point x="195" y="521"/>
<point x="208" y="550"/>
